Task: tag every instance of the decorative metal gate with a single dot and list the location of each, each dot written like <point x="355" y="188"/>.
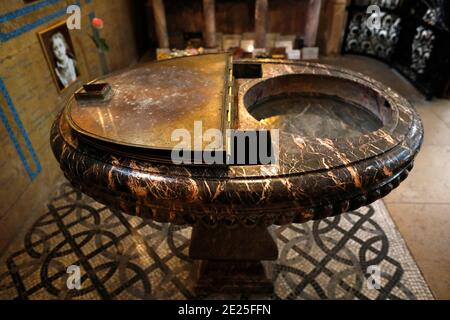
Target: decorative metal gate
<point x="413" y="36"/>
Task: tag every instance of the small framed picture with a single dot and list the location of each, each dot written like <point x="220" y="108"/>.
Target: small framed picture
<point x="58" y="50"/>
<point x="293" y="54"/>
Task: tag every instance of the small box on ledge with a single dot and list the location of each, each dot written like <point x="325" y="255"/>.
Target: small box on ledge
<point x="310" y="53"/>
<point x="162" y="53"/>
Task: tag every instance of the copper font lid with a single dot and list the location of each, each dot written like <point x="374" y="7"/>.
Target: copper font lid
<point x="147" y="103"/>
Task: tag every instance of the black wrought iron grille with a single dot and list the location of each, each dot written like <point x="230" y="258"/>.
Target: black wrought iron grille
<point x="413" y="37"/>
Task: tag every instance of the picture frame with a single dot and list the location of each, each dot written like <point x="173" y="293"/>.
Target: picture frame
<point x="58" y="49"/>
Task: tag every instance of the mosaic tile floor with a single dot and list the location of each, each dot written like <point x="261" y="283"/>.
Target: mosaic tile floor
<point x="124" y="257"/>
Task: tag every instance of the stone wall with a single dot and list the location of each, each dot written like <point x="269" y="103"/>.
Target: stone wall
<point x="30" y="100"/>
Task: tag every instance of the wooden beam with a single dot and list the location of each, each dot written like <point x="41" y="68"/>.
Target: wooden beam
<point x="210" y="23"/>
<point x="333" y="26"/>
<point x="312" y="22"/>
<point x="261" y="7"/>
<point x="160" y="23"/>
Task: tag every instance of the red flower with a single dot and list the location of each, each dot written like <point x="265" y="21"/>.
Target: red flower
<point x="97" y="23"/>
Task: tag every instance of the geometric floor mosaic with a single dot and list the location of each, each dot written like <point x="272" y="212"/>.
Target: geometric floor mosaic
<point x="125" y="257"/>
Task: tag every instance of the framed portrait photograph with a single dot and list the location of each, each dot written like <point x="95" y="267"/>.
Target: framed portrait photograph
<point x="58" y="50"/>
